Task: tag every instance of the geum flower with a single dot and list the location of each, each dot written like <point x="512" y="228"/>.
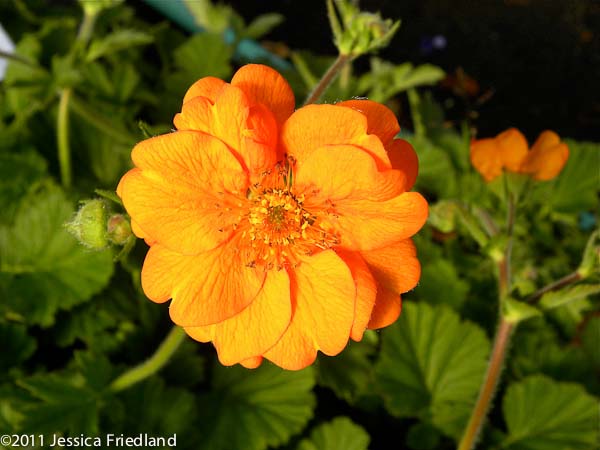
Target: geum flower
<point x="509" y="151"/>
<point x="276" y="233"/>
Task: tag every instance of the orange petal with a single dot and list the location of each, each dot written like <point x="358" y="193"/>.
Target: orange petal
<point x="266" y="86"/>
<point x="184" y="194"/>
<point x="257" y="328"/>
<point x="366" y="225"/>
<point x="381" y="121"/>
<point x="547" y="157"/>
<point x="338" y="172"/>
<point x="252" y="363"/>
<point x="486" y="158"/>
<point x="315" y="126"/>
<point x="208" y="87"/>
<point x="323" y="297"/>
<point x="207" y="288"/>
<point x="404" y="158"/>
<point x="395" y="266"/>
<point x="513" y="148"/>
<point x="366" y="291"/>
<point x="388" y="307"/>
<point x="249" y="130"/>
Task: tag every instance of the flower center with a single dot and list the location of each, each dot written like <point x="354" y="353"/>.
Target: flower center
<point x="279" y="227"/>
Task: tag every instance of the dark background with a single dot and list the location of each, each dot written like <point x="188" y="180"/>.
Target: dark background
<point x="536" y="62"/>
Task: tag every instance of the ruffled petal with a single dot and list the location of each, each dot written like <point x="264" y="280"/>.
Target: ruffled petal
<point x="323" y="297"/>
<point x="513" y="148"/>
<point x="381" y="121"/>
<point x="207" y="288"/>
<point x="337" y="172"/>
<point x="366" y="292"/>
<point x="250" y="131"/>
<point x="184" y="191"/>
<point x="387" y="309"/>
<point x="255" y="329"/>
<point x="315" y="126"/>
<point x="486" y="158"/>
<point x="404" y="158"/>
<point x="395" y="266"/>
<point x="208" y="87"/>
<point x="366" y="225"/>
<point x="547" y="157"/>
<point x="264" y="85"/>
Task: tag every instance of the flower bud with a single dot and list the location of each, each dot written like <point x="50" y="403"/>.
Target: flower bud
<point x="89" y="224"/>
<point x="118" y="229"/>
<point x="93" y="7"/>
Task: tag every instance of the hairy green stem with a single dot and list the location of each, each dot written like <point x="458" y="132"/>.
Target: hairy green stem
<point x="62" y="136"/>
<point x="327" y="78"/>
<point x="152" y="365"/>
<point x="560" y="283"/>
<point x="501" y="342"/>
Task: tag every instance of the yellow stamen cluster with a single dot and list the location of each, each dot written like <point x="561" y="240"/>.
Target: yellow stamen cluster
<point x="279" y="227"/>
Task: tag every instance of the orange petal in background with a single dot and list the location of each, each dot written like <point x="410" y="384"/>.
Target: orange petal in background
<point x="513" y="148"/>
<point x="255" y="329"/>
<point x="547" y="157"/>
<point x="486" y="158"/>
<point x="323" y="295"/>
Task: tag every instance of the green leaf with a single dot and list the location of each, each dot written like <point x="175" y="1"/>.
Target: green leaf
<point x="17" y="345"/>
<point x="423" y="436"/>
<point x="440" y="283"/>
<point x="18" y="173"/>
<point x="542" y="414"/>
<point x="339" y="434"/>
<point x="349" y="373"/>
<point x="116" y="41"/>
<point x="431" y="366"/>
<point x="42" y="267"/>
<point x="64" y="407"/>
<point x="265" y="407"/>
<point x="262" y="25"/>
<point x="203" y="55"/>
<point x="569" y="294"/>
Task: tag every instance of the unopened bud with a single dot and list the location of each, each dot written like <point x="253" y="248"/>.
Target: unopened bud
<point x="118" y="229"/>
<point x="89" y="224"/>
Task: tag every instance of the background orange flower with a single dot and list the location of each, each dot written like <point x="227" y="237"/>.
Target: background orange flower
<point x="509" y="151"/>
<point x="276" y="233"/>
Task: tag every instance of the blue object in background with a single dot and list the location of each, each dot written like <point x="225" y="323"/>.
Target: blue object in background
<point x="247" y="49"/>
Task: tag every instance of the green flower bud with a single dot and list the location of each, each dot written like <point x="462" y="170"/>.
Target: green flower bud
<point x="590" y="262"/>
<point x="89" y="224"/>
<point x="93" y="7"/>
<point x="355" y="32"/>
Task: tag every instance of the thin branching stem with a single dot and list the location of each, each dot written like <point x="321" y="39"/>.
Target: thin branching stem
<point x="327" y="79"/>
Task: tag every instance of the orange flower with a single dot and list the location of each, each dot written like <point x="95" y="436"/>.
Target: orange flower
<point x="509" y="151"/>
<point x="276" y="233"/>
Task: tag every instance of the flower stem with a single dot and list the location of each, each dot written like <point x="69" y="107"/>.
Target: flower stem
<point x="62" y="136"/>
<point x="152" y="365"/>
<point x="488" y="389"/>
<point x="62" y="120"/>
<point x="501" y="341"/>
<point x="560" y="283"/>
<point x="327" y="78"/>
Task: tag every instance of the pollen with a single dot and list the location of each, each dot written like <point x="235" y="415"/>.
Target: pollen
<point x="279" y="228"/>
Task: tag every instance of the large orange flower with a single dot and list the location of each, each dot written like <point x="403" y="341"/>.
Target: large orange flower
<point x="276" y="233"/>
<point x="509" y="151"/>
